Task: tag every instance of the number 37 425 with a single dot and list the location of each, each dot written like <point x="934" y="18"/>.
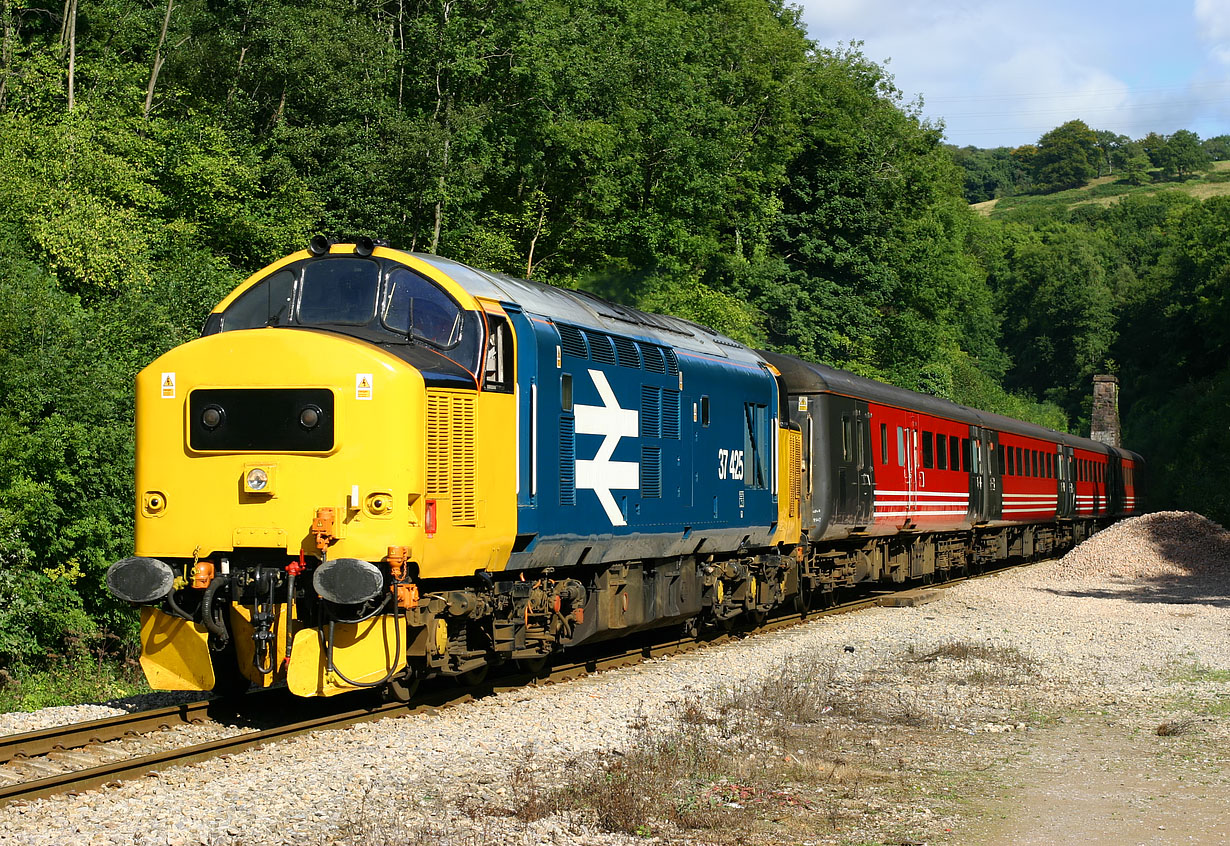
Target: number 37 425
<point x="730" y="464"/>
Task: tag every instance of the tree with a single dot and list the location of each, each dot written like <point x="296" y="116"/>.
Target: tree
<point x="1067" y="157"/>
<point x="1218" y="147"/>
<point x="1182" y="154"/>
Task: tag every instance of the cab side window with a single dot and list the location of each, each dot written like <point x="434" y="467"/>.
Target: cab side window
<point x="498" y="356"/>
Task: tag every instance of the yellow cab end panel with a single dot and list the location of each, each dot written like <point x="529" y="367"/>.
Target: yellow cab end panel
<point x="202" y="499"/>
<point x="174" y="652"/>
<point x="361" y="653"/>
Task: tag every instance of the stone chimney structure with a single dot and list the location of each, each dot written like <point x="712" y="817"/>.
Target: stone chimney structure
<point x="1105" y="425"/>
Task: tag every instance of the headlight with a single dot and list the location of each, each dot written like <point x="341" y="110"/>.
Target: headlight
<point x="212" y="417"/>
<point x="309" y="417"/>
<point x="257" y="479"/>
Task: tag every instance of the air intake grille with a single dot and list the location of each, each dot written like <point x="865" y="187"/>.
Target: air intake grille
<point x="795" y="468"/>
<point x="567" y="461"/>
<point x="572" y="341"/>
<point x="670" y="414"/>
<point x="628" y="355"/>
<point x="651" y="412"/>
<point x="654" y="361"/>
<point x="452" y="454"/>
<point x="600" y="348"/>
<point x="651" y="471"/>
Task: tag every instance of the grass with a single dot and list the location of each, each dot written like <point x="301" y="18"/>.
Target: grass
<point x="75" y="678"/>
<point x="1108" y="189"/>
<point x="806" y="753"/>
<point x="1196" y="673"/>
<point x="766" y="759"/>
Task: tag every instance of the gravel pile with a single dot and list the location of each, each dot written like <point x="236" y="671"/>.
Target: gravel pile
<point x="1165" y="543"/>
<point x="971" y="668"/>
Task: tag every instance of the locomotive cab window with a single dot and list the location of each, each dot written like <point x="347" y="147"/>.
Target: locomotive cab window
<point x="498" y="360"/>
<point x="265" y="304"/>
<point x="375" y="299"/>
<point x="342" y="290"/>
<point x="755" y="445"/>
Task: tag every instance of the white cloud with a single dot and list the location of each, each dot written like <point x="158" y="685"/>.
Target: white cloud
<point x="1213" y="24"/>
<point x="998" y="73"/>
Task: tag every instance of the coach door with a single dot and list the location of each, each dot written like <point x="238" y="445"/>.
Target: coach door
<point x="851" y="456"/>
<point x="1066" y="503"/>
<point x="972" y="454"/>
<point x="992" y="476"/>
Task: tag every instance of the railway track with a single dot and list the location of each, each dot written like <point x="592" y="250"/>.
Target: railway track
<point x="83" y="756"/>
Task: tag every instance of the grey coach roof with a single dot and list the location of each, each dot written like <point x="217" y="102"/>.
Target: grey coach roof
<point x="806" y="378"/>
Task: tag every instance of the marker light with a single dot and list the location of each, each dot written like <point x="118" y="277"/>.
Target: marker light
<point x="257" y="479"/>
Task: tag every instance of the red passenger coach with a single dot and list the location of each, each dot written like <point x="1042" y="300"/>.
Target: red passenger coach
<point x="899" y="485"/>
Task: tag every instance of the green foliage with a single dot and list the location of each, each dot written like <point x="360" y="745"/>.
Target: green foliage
<point x="1067" y="157"/>
<point x="1182" y="154"/>
<point x="991" y="173"/>
<point x="1217" y="147"/>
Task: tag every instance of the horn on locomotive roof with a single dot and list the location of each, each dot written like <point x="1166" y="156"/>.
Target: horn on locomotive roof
<point x="363" y="246"/>
<point x="319" y="245"/>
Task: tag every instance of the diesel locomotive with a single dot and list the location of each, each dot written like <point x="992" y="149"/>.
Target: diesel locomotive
<point x="376" y="466"/>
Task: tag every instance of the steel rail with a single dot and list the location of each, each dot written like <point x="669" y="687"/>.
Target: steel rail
<point x="110" y="773"/>
<point x="32" y="744"/>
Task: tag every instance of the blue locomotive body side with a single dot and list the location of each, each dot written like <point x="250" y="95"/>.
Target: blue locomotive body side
<point x="629" y="448"/>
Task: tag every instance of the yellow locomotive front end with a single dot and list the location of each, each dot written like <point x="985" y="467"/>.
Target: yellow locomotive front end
<point x="286" y="504"/>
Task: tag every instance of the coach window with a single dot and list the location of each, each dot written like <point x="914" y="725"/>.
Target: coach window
<point x="1003" y="467"/>
<point x="847" y="439"/>
<point x="941" y="452"/>
<point x="883" y="443"/>
<point x="1049" y="470"/>
<point x="1011" y="464"/>
<point x="900" y="447"/>
<point x="954" y="452"/>
<point x="966" y="462"/>
<point x="928" y="449"/>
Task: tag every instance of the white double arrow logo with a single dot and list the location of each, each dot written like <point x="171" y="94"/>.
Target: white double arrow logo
<point x="602" y="475"/>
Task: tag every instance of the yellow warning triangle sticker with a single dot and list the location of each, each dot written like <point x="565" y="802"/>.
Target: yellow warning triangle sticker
<point x="168" y="382"/>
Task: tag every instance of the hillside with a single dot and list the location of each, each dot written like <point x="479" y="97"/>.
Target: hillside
<point x="1105" y="190"/>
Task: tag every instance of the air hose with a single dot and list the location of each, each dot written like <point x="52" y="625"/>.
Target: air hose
<point x="332" y="668"/>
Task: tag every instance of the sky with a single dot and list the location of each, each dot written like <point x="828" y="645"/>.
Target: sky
<point x="1000" y="74"/>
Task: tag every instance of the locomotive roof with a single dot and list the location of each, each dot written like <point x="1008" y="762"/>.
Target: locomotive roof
<point x="804" y="377"/>
<point x="589" y="311"/>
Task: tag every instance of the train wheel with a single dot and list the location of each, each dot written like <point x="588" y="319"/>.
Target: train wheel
<point x="802" y="601"/>
<point x="473" y="678"/>
<point x="532" y="666"/>
<point x="401" y="689"/>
